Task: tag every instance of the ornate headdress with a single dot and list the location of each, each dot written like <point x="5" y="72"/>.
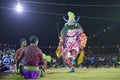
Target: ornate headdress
<point x="70" y="15"/>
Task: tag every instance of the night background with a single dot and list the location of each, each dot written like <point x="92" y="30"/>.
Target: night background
<point x="100" y="22"/>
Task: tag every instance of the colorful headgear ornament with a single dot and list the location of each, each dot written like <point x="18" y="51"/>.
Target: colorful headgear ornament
<point x="71" y="16"/>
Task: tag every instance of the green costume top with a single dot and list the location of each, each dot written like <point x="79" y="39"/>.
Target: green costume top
<point x="67" y="27"/>
<point x="47" y="58"/>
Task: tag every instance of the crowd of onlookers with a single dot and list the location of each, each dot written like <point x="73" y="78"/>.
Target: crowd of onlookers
<point x="101" y="60"/>
<point x="95" y="60"/>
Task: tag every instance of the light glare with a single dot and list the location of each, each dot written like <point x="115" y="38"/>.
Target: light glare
<point x="19" y="7"/>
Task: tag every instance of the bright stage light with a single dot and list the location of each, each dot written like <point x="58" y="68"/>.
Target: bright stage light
<point x="19" y="8"/>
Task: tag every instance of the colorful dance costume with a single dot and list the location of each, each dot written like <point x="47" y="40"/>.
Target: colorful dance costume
<point x="72" y="41"/>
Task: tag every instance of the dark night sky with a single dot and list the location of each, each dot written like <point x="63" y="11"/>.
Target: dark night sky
<point x="14" y="26"/>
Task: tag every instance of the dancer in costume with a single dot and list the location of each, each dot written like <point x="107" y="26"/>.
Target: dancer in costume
<point x="33" y="58"/>
<point x="23" y="43"/>
<point x="72" y="41"/>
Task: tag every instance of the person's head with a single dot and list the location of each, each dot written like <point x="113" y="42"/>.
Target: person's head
<point x="34" y="40"/>
<point x="23" y="42"/>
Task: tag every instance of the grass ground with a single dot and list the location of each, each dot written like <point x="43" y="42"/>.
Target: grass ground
<point x="80" y="74"/>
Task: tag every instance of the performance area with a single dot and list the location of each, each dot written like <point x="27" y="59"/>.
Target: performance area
<point x="80" y="74"/>
<point x="59" y="40"/>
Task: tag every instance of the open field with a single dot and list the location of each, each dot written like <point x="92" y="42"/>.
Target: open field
<point x="80" y="74"/>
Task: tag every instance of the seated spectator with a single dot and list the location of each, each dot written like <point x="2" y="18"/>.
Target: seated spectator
<point x="0" y="60"/>
<point x="7" y="60"/>
<point x="114" y="60"/>
<point x="102" y="60"/>
<point x="92" y="60"/>
<point x="1" y="56"/>
<point x="32" y="58"/>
